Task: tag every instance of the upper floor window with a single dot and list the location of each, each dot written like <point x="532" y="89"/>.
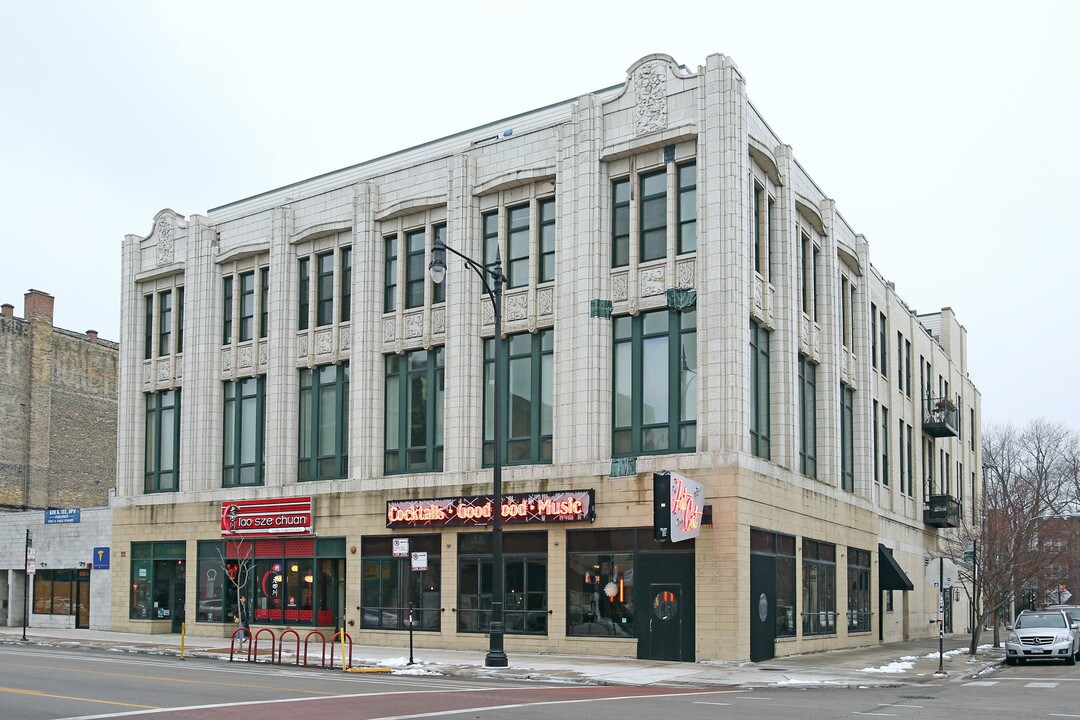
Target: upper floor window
<point x="243" y="301"/>
<point x="808" y="267"/>
<point x="526" y="238"/>
<point x="762" y="209"/>
<point x="264" y="301"/>
<point x="161" y="467"/>
<point x="324" y="289"/>
<point x="390" y="273"/>
<point x="526" y="402"/>
<point x="846" y="327"/>
<point x="162" y="324"/>
<point x="324" y="422"/>
<point x="414" y="411"/>
<point x="406" y="283"/>
<point x="655" y="383"/>
<point x="303" y="291"/>
<point x="646" y="197"/>
<point x="346" y="284"/>
<point x="415" y="268"/>
<point x="165" y="318"/>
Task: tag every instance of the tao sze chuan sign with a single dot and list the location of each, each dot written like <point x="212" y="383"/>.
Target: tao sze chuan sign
<point x="278" y="516"/>
<point x="566" y="506"/>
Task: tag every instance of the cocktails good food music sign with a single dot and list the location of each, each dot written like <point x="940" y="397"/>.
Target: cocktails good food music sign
<point x="565" y="506"/>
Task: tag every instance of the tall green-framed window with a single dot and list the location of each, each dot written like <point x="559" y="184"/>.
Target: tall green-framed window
<point x="148" y="332"/>
<point x="390" y="272"/>
<point x="414" y="411"/>
<point x="180" y="319"/>
<point x="528" y="364"/>
<point x="324" y="289"/>
<point x="438" y="290"/>
<point x="847" y="438"/>
<point x="620" y="223"/>
<point x="247" y="306"/>
<point x="687" y="208"/>
<point x="324" y="422"/>
<point x="807" y="417"/>
<point x="760" y="444"/>
<point x="761" y="232"/>
<point x="489" y="225"/>
<point x="303" y="285"/>
<point x="547" y="240"/>
<point x="346" y="284"/>
<point x="655" y="383"/>
<point x="264" y="301"/>
<point x="165" y="319"/>
<point x="653" y="216"/>
<point x="517" y="246"/>
<point x="885" y="427"/>
<point x="162" y="457"/>
<point x="244" y="436"/>
<point x="415" y="268"/>
<point x="227" y="309"/>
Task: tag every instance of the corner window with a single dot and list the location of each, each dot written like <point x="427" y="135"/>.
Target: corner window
<point x="655" y="383"/>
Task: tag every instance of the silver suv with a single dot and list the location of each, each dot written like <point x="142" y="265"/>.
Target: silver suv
<point x="1043" y="635"/>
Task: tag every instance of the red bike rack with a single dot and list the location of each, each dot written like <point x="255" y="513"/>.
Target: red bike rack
<point x="322" y="639"/>
<point x="232" y="643"/>
<point x="255" y="644"/>
<point x="281" y="645"/>
<point x="333" y="642"/>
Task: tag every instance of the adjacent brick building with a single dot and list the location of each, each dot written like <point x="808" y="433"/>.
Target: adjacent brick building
<point x="58" y="402"/>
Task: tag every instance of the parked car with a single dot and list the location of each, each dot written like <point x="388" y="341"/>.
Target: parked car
<point x="1043" y="635"/>
<point x="210" y="610"/>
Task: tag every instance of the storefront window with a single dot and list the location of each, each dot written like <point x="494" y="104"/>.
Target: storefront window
<point x="292" y="582"/>
<point x="819" y="588"/>
<point x="858" y="590"/>
<point x="390" y="587"/>
<point x="157" y="581"/>
<point x="598" y="595"/>
<point x="54" y="592"/>
<point x="525" y="610"/>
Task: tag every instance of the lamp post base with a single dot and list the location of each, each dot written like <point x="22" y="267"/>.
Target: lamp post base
<point x="496" y="658"/>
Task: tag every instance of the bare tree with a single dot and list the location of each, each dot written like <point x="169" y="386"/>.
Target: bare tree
<point x="1025" y="487"/>
<point x="238" y="567"/>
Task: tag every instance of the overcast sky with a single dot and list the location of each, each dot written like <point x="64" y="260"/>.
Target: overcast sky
<point x="945" y="131"/>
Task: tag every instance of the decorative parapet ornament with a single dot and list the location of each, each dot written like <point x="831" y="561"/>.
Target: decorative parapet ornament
<point x="650" y="88"/>
<point x="166" y="224"/>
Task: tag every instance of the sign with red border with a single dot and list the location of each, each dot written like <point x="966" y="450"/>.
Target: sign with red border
<point x="276" y="516"/>
<point x="477" y="510"/>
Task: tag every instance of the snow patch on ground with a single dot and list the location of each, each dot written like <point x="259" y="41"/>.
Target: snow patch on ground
<point x="896" y="667"/>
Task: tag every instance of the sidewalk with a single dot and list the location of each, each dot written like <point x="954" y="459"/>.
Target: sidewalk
<point x="892" y="664"/>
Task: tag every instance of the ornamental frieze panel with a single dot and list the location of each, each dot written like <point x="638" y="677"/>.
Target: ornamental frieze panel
<point x="438" y="320"/>
<point x="324" y="342"/>
<point x="264" y="351"/>
<point x="517" y="307"/>
<point x="147" y="373"/>
<point x="652" y="282"/>
<point x="546" y="301"/>
<point x="226" y="359"/>
<point x="414" y="325"/>
<point x="684" y="274"/>
<point x="302" y="346"/>
<point x="389" y="329"/>
<point x="650" y="89"/>
<point x="246" y="357"/>
<point x="344" y="339"/>
<point x="164" y="369"/>
<point x="619" y="287"/>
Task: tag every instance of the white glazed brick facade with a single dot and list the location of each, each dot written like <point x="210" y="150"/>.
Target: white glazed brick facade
<point x="570" y="152"/>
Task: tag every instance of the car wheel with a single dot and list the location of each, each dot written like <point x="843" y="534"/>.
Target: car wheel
<point x="1070" y="660"/>
<point x="1010" y="661"/>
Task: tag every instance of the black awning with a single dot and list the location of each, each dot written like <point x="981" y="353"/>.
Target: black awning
<point x="890" y="575"/>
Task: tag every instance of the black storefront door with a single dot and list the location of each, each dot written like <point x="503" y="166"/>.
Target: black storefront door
<point x="762" y="610"/>
<point x="664" y="606"/>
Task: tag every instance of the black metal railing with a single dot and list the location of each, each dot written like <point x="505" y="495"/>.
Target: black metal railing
<point x="940" y="418"/>
<point x="941" y="511"/>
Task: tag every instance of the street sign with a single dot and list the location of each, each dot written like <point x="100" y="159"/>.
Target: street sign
<point x="419" y="561"/>
<point x="941" y="569"/>
<point x="31" y="555"/>
<point x="31" y="568"/>
<point x="401" y="547"/>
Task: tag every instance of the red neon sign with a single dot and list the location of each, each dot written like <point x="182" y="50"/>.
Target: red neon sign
<point x="567" y="506"/>
<point x="686" y="508"/>
<point x="279" y="516"/>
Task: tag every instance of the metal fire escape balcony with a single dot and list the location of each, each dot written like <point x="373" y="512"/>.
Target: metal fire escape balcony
<point x="941" y="511"/>
<point x="940" y="418"/>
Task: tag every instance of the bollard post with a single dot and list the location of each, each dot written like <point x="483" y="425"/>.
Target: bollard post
<point x="410" y="633"/>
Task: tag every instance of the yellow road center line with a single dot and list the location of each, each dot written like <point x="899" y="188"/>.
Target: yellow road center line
<point x="35" y="693"/>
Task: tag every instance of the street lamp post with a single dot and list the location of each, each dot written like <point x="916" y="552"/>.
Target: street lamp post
<point x="496" y="656"/>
